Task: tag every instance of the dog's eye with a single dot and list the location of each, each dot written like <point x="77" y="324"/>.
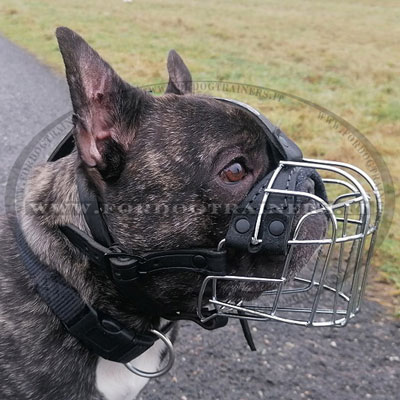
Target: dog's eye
<point x="234" y="172"/>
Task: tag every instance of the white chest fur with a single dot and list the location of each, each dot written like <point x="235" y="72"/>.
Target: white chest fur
<point x="115" y="382"/>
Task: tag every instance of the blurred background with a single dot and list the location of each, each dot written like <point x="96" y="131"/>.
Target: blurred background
<point x="342" y="55"/>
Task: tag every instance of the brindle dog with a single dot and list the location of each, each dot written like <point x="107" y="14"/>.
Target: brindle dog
<point x="136" y="151"/>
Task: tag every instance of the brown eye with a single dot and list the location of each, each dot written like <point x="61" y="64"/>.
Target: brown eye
<point x="234" y="172"/>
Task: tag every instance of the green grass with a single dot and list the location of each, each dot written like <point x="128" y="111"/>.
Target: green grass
<point x="342" y="55"/>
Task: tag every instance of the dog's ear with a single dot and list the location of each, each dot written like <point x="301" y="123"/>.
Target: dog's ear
<point x="99" y="97"/>
<point x="180" y="80"/>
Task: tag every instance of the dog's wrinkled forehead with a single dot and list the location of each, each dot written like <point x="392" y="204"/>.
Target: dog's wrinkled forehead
<point x="190" y="121"/>
<point x="178" y="148"/>
<point x="183" y="137"/>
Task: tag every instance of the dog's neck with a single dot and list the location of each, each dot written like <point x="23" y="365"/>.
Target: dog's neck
<point x="51" y="200"/>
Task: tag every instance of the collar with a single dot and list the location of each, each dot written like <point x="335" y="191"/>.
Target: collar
<point x="97" y="331"/>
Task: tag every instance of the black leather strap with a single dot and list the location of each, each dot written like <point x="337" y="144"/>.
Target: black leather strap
<point x="282" y="147"/>
<point x="92" y="211"/>
<point x="96" y="252"/>
<point x="122" y="266"/>
<point x="278" y="208"/>
<point x="64" y="148"/>
<point x="247" y="333"/>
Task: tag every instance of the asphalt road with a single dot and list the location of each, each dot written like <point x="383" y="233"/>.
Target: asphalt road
<point x="361" y="361"/>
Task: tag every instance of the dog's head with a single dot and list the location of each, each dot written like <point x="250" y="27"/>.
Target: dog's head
<point x="169" y="169"/>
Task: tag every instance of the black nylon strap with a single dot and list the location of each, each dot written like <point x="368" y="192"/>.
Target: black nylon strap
<point x="99" y="332"/>
<point x="62" y="299"/>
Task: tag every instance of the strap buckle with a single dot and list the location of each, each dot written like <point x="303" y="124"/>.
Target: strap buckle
<point x="123" y="267"/>
<point x="107" y="337"/>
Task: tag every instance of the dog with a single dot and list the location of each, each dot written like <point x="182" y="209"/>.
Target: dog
<point x="137" y="149"/>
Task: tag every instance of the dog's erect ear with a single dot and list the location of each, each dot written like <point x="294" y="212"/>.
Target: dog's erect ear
<point x="180" y="80"/>
<point x="98" y="95"/>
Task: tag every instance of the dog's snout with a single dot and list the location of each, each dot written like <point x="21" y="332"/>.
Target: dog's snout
<point x="308" y="186"/>
<point x="309" y="181"/>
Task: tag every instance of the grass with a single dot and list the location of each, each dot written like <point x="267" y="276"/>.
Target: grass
<point x="342" y="55"/>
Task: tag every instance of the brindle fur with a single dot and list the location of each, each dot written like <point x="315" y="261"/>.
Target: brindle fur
<point x="162" y="151"/>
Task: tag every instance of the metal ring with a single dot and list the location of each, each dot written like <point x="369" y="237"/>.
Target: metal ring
<point x="156" y="374"/>
<point x="221" y="245"/>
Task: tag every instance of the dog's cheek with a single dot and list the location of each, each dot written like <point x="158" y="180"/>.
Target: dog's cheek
<point x="177" y="291"/>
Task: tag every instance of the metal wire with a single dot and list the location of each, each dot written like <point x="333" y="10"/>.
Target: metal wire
<point x="329" y="291"/>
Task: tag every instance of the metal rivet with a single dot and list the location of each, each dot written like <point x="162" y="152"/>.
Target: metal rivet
<point x="276" y="228"/>
<point x="242" y="225"/>
<point x="199" y="261"/>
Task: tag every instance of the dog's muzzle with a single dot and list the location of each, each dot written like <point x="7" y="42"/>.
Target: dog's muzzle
<point x="333" y="241"/>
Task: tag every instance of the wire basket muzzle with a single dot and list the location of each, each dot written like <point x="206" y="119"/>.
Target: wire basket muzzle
<point x="327" y="290"/>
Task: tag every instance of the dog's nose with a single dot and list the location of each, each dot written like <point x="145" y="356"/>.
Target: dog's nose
<point x="307" y="186"/>
<point x="309" y="181"/>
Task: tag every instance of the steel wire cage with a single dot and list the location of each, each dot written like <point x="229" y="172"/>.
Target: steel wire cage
<point x="329" y="290"/>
